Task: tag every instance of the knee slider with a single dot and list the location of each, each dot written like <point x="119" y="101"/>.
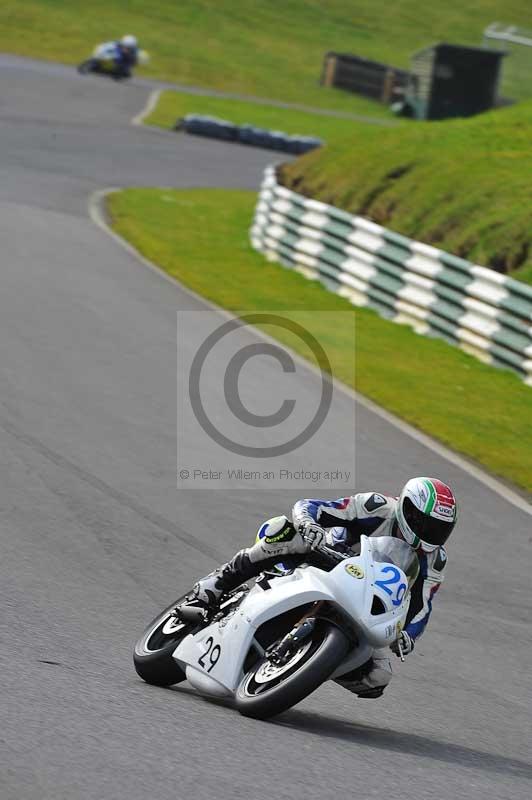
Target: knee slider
<point x="276" y="529"/>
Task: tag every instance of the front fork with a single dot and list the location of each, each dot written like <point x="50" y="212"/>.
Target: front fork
<point x="282" y="651"/>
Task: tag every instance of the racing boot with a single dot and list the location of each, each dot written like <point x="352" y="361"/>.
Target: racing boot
<point x="207" y="592"/>
<point x="371" y="679"/>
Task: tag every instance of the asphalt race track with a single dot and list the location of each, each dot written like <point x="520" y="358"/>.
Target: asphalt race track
<point x="95" y="539"/>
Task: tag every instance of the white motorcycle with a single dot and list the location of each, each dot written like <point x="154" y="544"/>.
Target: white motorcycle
<point x="106" y="60"/>
<point x="270" y="646"/>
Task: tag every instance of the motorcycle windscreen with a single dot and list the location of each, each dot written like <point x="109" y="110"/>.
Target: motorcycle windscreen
<point x="395" y="551"/>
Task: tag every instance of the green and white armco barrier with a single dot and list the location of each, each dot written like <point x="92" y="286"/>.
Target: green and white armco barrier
<point x="481" y="311"/>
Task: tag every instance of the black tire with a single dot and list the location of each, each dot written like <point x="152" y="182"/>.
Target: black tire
<point x="86" y="66"/>
<point x="315" y="661"/>
<point x="152" y="656"/>
<point x="120" y="75"/>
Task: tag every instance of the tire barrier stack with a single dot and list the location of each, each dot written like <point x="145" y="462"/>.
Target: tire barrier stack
<point x="247" y="134"/>
<point x="481" y="311"/>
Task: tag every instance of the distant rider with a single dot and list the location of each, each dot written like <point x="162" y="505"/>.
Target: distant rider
<point x="127" y="55"/>
<point x="424" y="515"/>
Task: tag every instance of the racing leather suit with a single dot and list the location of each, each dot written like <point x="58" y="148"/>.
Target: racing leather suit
<point x="125" y="59"/>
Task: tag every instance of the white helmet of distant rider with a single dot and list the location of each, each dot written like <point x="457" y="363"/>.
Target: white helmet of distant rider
<point x="129" y="41"/>
<point x="426" y="513"/>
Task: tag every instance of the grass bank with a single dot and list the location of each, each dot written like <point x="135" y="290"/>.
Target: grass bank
<point x="267" y="48"/>
<point x="462" y="185"/>
<point x="201" y="238"/>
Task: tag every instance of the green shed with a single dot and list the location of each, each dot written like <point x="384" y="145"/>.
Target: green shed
<point x="448" y="80"/>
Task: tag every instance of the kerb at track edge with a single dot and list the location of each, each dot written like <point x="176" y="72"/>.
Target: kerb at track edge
<point x="151" y="102"/>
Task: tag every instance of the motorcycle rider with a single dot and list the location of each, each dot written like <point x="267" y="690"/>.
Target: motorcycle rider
<point x="424" y="515"/>
<point x="127" y="50"/>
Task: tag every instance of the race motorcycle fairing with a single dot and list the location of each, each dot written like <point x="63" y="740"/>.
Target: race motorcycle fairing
<point x="272" y="645"/>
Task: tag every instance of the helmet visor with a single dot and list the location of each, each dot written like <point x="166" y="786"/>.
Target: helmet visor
<point x="429" y="529"/>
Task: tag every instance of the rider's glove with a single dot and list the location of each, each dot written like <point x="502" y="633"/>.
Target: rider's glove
<point x="407" y="644"/>
<point x="312" y="534"/>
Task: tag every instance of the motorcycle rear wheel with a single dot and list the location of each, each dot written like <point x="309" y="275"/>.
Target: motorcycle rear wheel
<point x="269" y="689"/>
<point x="86" y="66"/>
<point x="152" y="655"/>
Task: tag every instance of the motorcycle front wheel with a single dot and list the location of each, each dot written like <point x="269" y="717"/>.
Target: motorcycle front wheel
<point x="152" y="655"/>
<point x="269" y="688"/>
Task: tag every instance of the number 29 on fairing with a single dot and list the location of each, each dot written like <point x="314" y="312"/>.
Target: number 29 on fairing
<point x="394" y="580"/>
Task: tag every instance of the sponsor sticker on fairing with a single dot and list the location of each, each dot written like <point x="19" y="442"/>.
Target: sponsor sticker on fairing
<point x="354" y="570"/>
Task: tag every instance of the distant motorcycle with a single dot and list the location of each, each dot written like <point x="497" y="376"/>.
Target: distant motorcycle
<point x="108" y="60"/>
<point x="271" y="646"/>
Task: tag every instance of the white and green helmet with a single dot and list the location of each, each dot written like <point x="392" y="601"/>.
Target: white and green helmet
<point x="426" y="513"/>
<point x="129" y="41"/>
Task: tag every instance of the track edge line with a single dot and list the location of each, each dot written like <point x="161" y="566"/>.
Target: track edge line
<point x="151" y="102"/>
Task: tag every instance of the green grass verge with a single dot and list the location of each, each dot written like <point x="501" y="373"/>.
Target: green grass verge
<point x="173" y="105"/>
<point x="259" y="47"/>
<point x="462" y="185"/>
<point x="201" y="238"/>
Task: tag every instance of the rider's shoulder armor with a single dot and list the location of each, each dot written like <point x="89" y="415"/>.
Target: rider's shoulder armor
<point x="436" y="562"/>
<point x="374" y="504"/>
